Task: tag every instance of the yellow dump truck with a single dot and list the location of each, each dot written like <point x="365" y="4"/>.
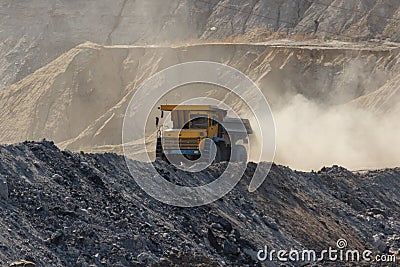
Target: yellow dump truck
<point x="195" y="126"/>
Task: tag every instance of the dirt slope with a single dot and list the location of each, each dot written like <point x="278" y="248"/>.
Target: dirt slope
<point x="384" y="100"/>
<point x="78" y="209"/>
<point x="79" y="99"/>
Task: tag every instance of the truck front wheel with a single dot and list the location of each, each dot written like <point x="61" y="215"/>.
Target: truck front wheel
<point x="217" y="158"/>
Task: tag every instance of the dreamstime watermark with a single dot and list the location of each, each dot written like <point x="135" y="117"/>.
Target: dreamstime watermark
<point x="141" y="109"/>
<point x="340" y="253"/>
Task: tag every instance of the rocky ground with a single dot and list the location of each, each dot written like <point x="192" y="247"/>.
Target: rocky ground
<point x="64" y="209"/>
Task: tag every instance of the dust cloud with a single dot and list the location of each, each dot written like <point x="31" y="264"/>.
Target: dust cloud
<point x="310" y="136"/>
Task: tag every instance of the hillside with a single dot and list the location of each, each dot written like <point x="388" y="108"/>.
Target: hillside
<point x="383" y="100"/>
<point x="33" y="33"/>
<point x="79" y="99"/>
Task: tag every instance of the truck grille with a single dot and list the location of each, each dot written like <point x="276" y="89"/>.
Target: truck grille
<point x="184" y="143"/>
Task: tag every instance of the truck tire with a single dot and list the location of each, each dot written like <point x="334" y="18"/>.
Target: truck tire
<point x="164" y="158"/>
<point x="218" y="155"/>
<point x="159" y="149"/>
<point x="240" y="154"/>
<point x="207" y="152"/>
<point x="225" y="151"/>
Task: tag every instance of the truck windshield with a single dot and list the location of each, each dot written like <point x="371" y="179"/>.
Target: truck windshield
<point x="199" y="123"/>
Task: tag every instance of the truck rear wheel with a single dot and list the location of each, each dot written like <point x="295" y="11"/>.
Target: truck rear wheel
<point x="225" y="151"/>
<point x="240" y="154"/>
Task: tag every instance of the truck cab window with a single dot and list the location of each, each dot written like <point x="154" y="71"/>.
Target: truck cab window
<point x="199" y="123"/>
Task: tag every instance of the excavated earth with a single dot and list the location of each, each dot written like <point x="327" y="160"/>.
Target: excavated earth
<point x="33" y="33"/>
<point x="79" y="100"/>
<point x="60" y="208"/>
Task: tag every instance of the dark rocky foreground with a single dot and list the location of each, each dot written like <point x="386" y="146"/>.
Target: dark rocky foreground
<point x="64" y="209"/>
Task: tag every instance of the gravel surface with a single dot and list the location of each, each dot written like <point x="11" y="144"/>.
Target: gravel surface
<point x="59" y="208"/>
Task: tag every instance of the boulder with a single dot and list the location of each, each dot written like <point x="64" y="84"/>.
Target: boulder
<point x="147" y="258"/>
<point x="3" y="189"/>
<point x="22" y="264"/>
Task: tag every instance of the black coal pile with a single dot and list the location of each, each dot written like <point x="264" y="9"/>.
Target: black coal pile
<point x="73" y="209"/>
